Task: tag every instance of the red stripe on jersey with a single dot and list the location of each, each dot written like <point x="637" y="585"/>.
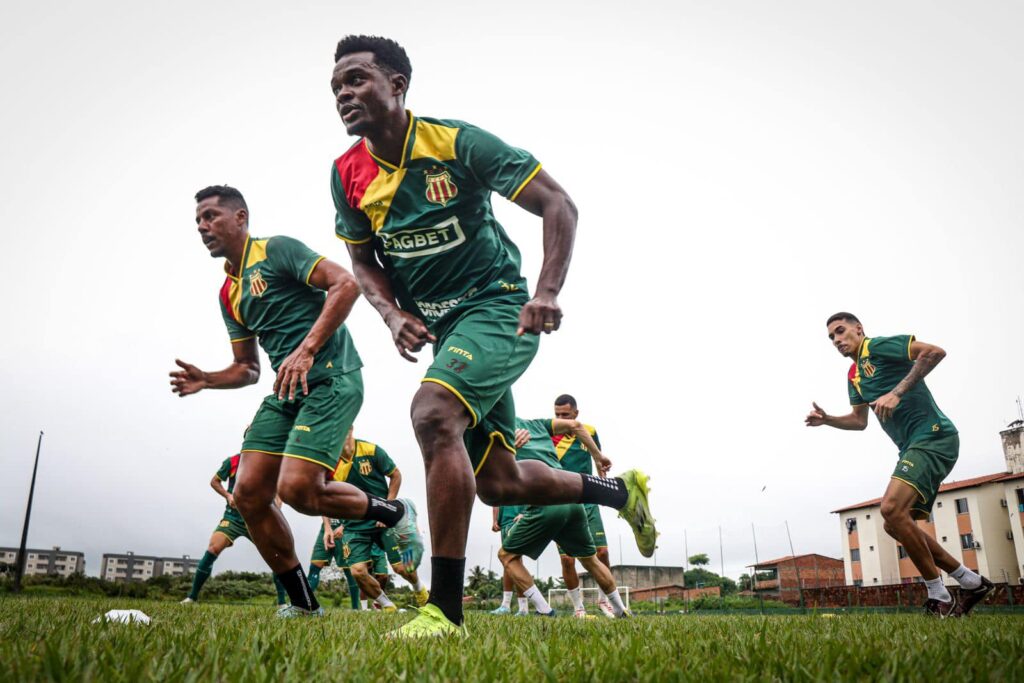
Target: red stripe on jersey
<point x="234" y="463"/>
<point x="852" y="373"/>
<point x="356" y="169"/>
<point x="556" y="438"/>
<point x="225" y="299"/>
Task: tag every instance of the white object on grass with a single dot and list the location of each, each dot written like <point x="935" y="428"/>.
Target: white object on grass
<point x="124" y="616"/>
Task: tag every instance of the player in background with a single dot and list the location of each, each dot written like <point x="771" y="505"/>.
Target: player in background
<point x="293" y="301"/>
<point x="230" y="528"/>
<point x="566" y="524"/>
<point x="575" y="456"/>
<point x="327" y="547"/>
<point x="887" y="375"/>
<point x="369" y="468"/>
<point x="413" y="201"/>
<point x="504" y="517"/>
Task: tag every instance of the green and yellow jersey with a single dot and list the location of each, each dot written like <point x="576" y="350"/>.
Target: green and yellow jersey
<point x="882" y="362"/>
<point x="367" y="471"/>
<point x="270" y="298"/>
<point x="430" y="217"/>
<point x="572" y="453"/>
<point x="228" y="470"/>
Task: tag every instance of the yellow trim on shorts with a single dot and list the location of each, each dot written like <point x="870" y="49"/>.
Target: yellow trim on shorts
<point x="913" y="486"/>
<point x="524" y="183"/>
<point x="230" y="541"/>
<point x="490" y="445"/>
<point x="449" y="387"/>
<point x="242" y="339"/>
<point x="291" y="455"/>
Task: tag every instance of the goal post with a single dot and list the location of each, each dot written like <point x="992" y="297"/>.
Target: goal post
<point x="558" y="598"/>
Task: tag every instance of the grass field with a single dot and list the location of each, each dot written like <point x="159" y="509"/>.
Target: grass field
<point x="45" y="638"/>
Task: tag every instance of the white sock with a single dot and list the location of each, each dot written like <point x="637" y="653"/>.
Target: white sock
<point x="524" y="605"/>
<point x="966" y="578"/>
<point x="577" y="599"/>
<point x="616" y="600"/>
<point x="937" y="591"/>
<point x="363" y="605"/>
<point x="383" y="600"/>
<point x="506" y="599"/>
<point x="602" y="598"/>
<point x="537" y="598"/>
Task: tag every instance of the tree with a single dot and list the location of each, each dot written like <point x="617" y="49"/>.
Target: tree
<point x="745" y="582"/>
<point x="699" y="560"/>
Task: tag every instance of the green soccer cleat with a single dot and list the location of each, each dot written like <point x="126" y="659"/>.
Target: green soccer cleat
<point x="430" y="623"/>
<point x="293" y="612"/>
<point x="637" y="512"/>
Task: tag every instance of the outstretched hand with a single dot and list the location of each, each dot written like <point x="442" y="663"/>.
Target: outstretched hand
<point x="816" y="417"/>
<point x="188" y="380"/>
<point x="540" y="314"/>
<point x="409" y="333"/>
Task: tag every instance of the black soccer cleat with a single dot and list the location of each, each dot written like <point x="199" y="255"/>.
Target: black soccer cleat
<point x="970" y="598"/>
<point x="942" y="610"/>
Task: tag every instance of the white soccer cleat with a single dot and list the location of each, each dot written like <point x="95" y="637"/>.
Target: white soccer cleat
<point x="582" y="614"/>
<point x="606" y="609"/>
<point x="187" y="601"/>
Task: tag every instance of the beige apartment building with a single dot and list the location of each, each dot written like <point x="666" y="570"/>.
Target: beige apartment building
<point x="980" y="521"/>
<point x="55" y="561"/>
<point x="132" y="567"/>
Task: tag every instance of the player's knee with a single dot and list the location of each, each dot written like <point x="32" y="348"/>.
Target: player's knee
<point x="568" y="564"/>
<point x="434" y="417"/>
<point x="505" y="557"/>
<point x="300" y="494"/>
<point x="893" y="513"/>
<point x="359" y="571"/>
<point x="249" y="499"/>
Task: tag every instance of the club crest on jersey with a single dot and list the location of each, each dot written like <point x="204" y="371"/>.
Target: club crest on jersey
<point x="868" y="368"/>
<point x="257" y="285"/>
<point x="365" y="468"/>
<point x="440" y="188"/>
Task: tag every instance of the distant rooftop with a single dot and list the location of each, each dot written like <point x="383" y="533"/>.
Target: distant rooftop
<point x="951" y="486"/>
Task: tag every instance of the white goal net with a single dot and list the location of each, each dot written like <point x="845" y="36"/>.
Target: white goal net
<point x="558" y="598"/>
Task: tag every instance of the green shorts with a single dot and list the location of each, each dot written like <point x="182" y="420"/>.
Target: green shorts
<point x="924" y="465"/>
<point x="233" y="528"/>
<point x="596" y="526"/>
<point x="478" y="359"/>
<point x="380" y="561"/>
<point x="358" y="547"/>
<point x="564" y="524"/>
<point x="322" y="554"/>
<point x="311" y="427"/>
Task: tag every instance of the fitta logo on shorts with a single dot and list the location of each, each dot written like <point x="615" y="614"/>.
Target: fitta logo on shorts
<point x="418" y="242"/>
<point x="302" y="428"/>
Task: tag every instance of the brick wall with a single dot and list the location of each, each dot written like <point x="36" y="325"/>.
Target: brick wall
<point x="895" y="595"/>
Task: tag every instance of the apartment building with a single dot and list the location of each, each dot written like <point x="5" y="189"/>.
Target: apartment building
<point x="979" y="521"/>
<point x="132" y="567"/>
<point x="55" y="561"/>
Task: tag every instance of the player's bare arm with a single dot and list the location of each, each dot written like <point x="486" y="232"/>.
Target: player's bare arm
<point x="544" y="197"/>
<point x="328" y="533"/>
<point x="394" y="484"/>
<point x="926" y="357"/>
<point x="342" y="292"/>
<point x="494" y="519"/>
<point x="243" y="371"/>
<point x="221" y="491"/>
<point x="408" y="332"/>
<point x="855" y="420"/>
<point x="563" y="426"/>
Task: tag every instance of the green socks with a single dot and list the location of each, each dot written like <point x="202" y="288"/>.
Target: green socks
<point x="202" y="574"/>
<point x="313" y="576"/>
<point x="353" y="589"/>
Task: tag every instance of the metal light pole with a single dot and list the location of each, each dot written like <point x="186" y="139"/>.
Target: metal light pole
<point x="22" y="552"/>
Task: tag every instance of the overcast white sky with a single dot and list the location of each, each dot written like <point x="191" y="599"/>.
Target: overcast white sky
<point x="742" y="171"/>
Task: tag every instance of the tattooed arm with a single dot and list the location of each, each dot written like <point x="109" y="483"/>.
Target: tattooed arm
<point x="926" y="357"/>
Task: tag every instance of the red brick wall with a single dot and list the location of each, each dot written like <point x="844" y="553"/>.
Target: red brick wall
<point x="906" y="595"/>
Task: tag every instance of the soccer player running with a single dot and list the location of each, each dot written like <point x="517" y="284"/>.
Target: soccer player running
<point x="231" y="528"/>
<point x="369" y="468"/>
<point x="576" y="456"/>
<point x="504" y="516"/>
<point x="274" y="292"/>
<point x="413" y="203"/>
<point x="888" y="375"/>
<point x="567" y="525"/>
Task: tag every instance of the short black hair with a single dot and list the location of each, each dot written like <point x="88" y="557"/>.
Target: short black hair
<point x="566" y="399"/>
<point x="386" y="52"/>
<point x="842" y="315"/>
<point x="225" y="194"/>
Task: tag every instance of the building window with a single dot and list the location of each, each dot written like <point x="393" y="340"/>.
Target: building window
<point x="854" y="554"/>
<point x="858" y="582"/>
<point x="851" y="525"/>
<point x="1020" y="500"/>
<point x="902" y="552"/>
<point x="961" y="506"/>
<point x="967" y="541"/>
